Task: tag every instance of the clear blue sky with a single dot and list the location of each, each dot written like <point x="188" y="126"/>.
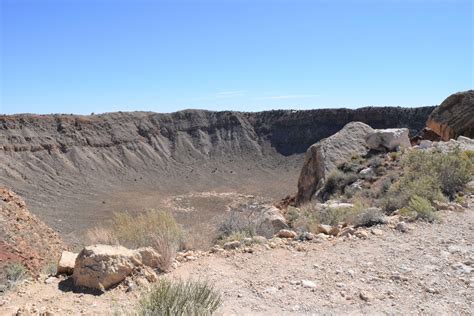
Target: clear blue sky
<point x="82" y="56"/>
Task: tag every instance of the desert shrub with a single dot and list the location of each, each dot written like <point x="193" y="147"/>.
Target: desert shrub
<point x="336" y="182"/>
<point x="15" y="272"/>
<point x="460" y="199"/>
<point x="402" y="191"/>
<point x="375" y="162"/>
<point x="237" y="224"/>
<point x="350" y="166"/>
<point x="369" y="217"/>
<point x="101" y="235"/>
<point x="292" y="214"/>
<point x="428" y="175"/>
<point x="307" y="219"/>
<point x="385" y="186"/>
<point x="50" y="268"/>
<point x="419" y="208"/>
<point x="180" y="298"/>
<point x="394" y="155"/>
<point x="313" y="215"/>
<point x="152" y="228"/>
<point x="451" y="170"/>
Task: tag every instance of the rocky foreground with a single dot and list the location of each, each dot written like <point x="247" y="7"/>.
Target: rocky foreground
<point x="428" y="269"/>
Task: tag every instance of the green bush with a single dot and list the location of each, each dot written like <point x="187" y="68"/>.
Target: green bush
<point x="451" y="170"/>
<point x="419" y="208"/>
<point x="428" y="175"/>
<point x="180" y="298"/>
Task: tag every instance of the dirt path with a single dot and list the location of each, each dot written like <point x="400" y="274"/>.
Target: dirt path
<point x="428" y="270"/>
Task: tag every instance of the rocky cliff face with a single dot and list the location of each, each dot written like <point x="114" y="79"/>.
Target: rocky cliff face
<point x="74" y="170"/>
<point x="454" y="117"/>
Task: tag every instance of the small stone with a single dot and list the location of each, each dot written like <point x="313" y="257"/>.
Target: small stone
<point x="308" y="284"/>
<point x="325" y="229"/>
<point x="307" y="236"/>
<point x="216" y="249"/>
<point x="232" y="245"/>
<point x="347" y="231"/>
<point x="362" y="234"/>
<point x="286" y="233"/>
<point x="49" y="280"/>
<point x="247" y="250"/>
<point x="377" y="232"/>
<point x="365" y="296"/>
<point x="334" y="231"/>
<point x="432" y="290"/>
<point x="402" y="227"/>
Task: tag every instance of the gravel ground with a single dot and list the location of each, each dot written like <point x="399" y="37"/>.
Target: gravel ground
<point x="427" y="270"/>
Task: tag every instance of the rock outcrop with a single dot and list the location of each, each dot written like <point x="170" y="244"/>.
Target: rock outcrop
<point x="324" y="156"/>
<point x="454" y="117"/>
<point x="102" y="266"/>
<point x="23" y="237"/>
<point x="390" y="139"/>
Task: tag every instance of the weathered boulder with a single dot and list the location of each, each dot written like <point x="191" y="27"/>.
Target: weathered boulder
<point x="425" y="134"/>
<point x="286" y="233"/>
<point x="272" y="222"/>
<point x="102" y="266"/>
<point x="324" y="156"/>
<point x="390" y="139"/>
<point x="454" y="117"/>
<point x="66" y="263"/>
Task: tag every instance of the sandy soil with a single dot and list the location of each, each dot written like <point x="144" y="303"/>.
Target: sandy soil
<point x="428" y="270"/>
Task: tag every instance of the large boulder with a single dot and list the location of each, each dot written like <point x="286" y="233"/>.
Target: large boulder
<point x="324" y="156"/>
<point x="390" y="139"/>
<point x="454" y="117"/>
<point x="102" y="266"/>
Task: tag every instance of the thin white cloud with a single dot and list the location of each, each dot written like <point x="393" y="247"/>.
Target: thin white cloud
<point x="230" y="94"/>
<point x="285" y="97"/>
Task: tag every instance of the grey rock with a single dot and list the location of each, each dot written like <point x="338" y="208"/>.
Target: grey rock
<point x="324" y="156"/>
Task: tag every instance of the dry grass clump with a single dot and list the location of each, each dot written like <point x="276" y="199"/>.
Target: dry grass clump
<point x="310" y="216"/>
<point x="180" y="298"/>
<point x="101" y="235"/>
<point x="236" y="226"/>
<point x="152" y="228"/>
<point x="15" y="273"/>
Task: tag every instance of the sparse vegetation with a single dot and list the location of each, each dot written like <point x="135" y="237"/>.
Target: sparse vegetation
<point x="101" y="235"/>
<point x="419" y="208"/>
<point x="429" y="175"/>
<point x="153" y="228"/>
<point x="336" y="182"/>
<point x="15" y="272"/>
<point x="311" y="215"/>
<point x="180" y="298"/>
<point x="369" y="217"/>
<point x="50" y="268"/>
<point x="236" y="227"/>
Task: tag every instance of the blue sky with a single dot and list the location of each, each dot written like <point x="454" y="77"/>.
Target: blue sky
<point x="83" y="56"/>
